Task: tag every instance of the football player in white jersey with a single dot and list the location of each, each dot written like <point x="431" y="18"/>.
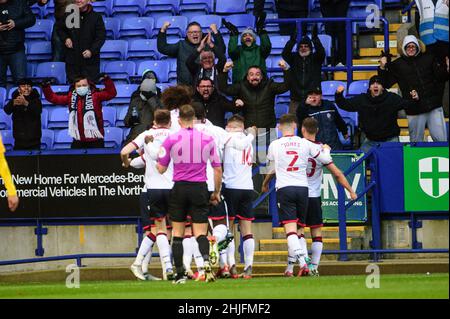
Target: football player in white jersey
<point x="158" y="188"/>
<point x="239" y="192"/>
<point x="288" y="160"/>
<point x="314" y="215"/>
<point x="217" y="215"/>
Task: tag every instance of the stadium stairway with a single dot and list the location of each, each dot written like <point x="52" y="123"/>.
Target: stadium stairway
<point x="275" y="249"/>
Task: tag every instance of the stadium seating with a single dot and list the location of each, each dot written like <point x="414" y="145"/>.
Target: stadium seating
<point x="58" y="117"/>
<point x="113" y="137"/>
<point x="191" y="8"/>
<point x="7" y="139"/>
<point x="281" y="109"/>
<point x="109" y="116"/>
<point x="47" y="139"/>
<point x="112" y="26"/>
<point x="37" y="10"/>
<point x="120" y="71"/>
<point x="161" y="68"/>
<point x="2" y="97"/>
<point x="330" y="87"/>
<point x="57" y="89"/>
<point x="5" y="121"/>
<point x="226" y="7"/>
<point x="62" y="140"/>
<point x="358" y="87"/>
<point x="103" y="7"/>
<point x="143" y="49"/>
<point x="178" y="25"/>
<point x="206" y="20"/>
<point x="159" y="8"/>
<point x="114" y="49"/>
<point x="128" y="8"/>
<point x="124" y="92"/>
<point x="121" y="112"/>
<point x="141" y="27"/>
<point x="56" y="70"/>
<point x="172" y="70"/>
<point x="326" y="41"/>
<point x="278" y="44"/>
<point x="39" y="51"/>
<point x="269" y="5"/>
<point x="44" y="118"/>
<point x="241" y="21"/>
<point x="41" y="30"/>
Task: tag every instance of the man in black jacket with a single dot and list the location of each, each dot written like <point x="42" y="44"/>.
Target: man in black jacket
<point x="377" y="112"/>
<point x="215" y="104"/>
<point x="15" y="17"/>
<point x="306" y="67"/>
<point x="258" y="96"/>
<point x="421" y="71"/>
<point x="83" y="43"/>
<point x="327" y="116"/>
<point x="26" y="108"/>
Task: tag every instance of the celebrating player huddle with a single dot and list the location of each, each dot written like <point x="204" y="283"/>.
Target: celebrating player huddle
<point x="187" y="160"/>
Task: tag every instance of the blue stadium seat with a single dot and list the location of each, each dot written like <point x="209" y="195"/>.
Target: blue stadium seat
<point x="58" y="89"/>
<point x="159" y="8"/>
<point x="358" y="87"/>
<point x="124" y="92"/>
<point x="278" y="44"/>
<point x="63" y="140"/>
<point x="44" y="118"/>
<point x="121" y="112"/>
<point x="172" y="70"/>
<point x="58" y="117"/>
<point x="330" y="87"/>
<point x="113" y="137"/>
<point x="139" y="27"/>
<point x="178" y="25"/>
<point x="2" y="97"/>
<point x="272" y="27"/>
<point x="143" y="49"/>
<point x="241" y="21"/>
<point x="114" y="49"/>
<point x="191" y="8"/>
<point x="41" y="30"/>
<point x="128" y="8"/>
<point x="281" y="109"/>
<point x="31" y="69"/>
<point x="103" y="7"/>
<point x="47" y="139"/>
<point x="126" y="131"/>
<point x="112" y="26"/>
<point x="162" y="86"/>
<point x="109" y="116"/>
<point x="160" y="67"/>
<point x="326" y="41"/>
<point x="37" y="10"/>
<point x="120" y="70"/>
<point x="284" y="97"/>
<point x="5" y="121"/>
<point x="55" y="70"/>
<point x="269" y="6"/>
<point x="39" y="51"/>
<point x="227" y="6"/>
<point x="206" y="20"/>
<point x="7" y="139"/>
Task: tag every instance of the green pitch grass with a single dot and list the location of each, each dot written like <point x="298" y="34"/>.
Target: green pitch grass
<point x="391" y="286"/>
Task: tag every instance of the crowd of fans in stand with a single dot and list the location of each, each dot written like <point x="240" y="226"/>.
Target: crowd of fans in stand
<point x="421" y="72"/>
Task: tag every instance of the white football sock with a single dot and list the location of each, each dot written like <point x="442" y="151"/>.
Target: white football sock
<point x="144" y="249"/>
<point x="198" y="258"/>
<point x="291" y="261"/>
<point x="249" y="250"/>
<point x="187" y="253"/>
<point x="230" y="252"/>
<point x="223" y="258"/>
<point x="294" y="244"/>
<point x="220" y="232"/>
<point x="164" y="250"/>
<point x="304" y="246"/>
<point x="146" y="261"/>
<point x="316" y="249"/>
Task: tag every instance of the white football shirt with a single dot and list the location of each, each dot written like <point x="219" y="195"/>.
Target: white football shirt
<point x="314" y="172"/>
<point x="237" y="162"/>
<point x="290" y="155"/>
<point x="153" y="179"/>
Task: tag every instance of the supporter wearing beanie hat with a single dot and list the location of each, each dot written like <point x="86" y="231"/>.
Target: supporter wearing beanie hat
<point x="248" y="31"/>
<point x="304" y="52"/>
<point x="148" y="89"/>
<point x="376" y="79"/>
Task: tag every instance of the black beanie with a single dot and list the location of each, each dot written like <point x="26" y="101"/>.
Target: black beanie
<point x="376" y="79"/>
<point x="305" y="40"/>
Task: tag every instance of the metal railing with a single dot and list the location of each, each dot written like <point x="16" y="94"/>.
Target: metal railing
<point x="349" y="67"/>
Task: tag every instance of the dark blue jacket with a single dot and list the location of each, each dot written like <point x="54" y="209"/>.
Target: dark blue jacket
<point x="330" y="122"/>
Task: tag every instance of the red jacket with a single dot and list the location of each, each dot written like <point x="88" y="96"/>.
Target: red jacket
<point x="98" y="96"/>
